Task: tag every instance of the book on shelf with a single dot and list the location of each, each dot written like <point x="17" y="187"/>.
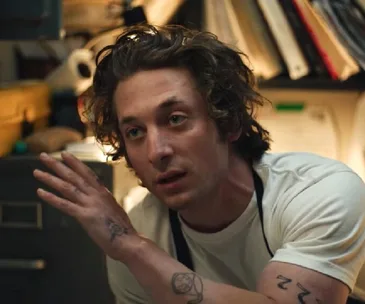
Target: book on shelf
<point x="226" y="29"/>
<point x="304" y="39"/>
<point x="255" y="31"/>
<point x="361" y="4"/>
<point x="296" y="39"/>
<point x="337" y="57"/>
<point x="285" y="39"/>
<point x="348" y="24"/>
<point x="210" y="22"/>
<point x="242" y="41"/>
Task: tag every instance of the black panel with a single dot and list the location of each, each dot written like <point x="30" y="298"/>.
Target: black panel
<point x="54" y="261"/>
<point x="30" y="19"/>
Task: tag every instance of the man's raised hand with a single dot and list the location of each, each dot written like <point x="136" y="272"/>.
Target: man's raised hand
<point x="85" y="198"/>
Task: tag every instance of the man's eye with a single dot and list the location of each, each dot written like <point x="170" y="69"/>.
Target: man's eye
<point x="176" y="119"/>
<point x="134" y="133"/>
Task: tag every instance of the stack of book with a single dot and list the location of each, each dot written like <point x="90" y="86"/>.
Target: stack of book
<point x="319" y="39"/>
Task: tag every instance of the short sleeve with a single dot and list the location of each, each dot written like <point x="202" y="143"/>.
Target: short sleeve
<point x="323" y="227"/>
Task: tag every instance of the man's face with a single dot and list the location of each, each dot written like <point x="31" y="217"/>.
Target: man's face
<point x="171" y="142"/>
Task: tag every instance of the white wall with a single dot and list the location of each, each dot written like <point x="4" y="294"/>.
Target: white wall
<point x="342" y="105"/>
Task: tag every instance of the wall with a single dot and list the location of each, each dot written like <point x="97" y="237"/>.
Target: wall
<point x="342" y="105"/>
<point x="7" y="62"/>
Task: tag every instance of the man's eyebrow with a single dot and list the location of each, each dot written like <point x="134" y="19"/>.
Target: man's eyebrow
<point x="167" y="104"/>
<point x="127" y="120"/>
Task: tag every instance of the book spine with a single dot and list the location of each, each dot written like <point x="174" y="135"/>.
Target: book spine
<point x="330" y="68"/>
<point x="304" y="39"/>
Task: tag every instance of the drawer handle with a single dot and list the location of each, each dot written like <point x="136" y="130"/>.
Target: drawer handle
<point x="20" y="215"/>
<point x="20" y="264"/>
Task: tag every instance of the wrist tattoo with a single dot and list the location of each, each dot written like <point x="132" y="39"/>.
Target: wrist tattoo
<point x="188" y="284"/>
<point x="114" y="229"/>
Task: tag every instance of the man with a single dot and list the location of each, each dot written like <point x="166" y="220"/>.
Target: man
<point x="222" y="220"/>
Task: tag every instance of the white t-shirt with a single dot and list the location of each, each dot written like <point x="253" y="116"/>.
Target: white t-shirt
<point x="314" y="216"/>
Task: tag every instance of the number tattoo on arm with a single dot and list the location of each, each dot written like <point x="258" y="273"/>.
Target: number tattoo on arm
<point x="301" y="295"/>
<point x="284" y="282"/>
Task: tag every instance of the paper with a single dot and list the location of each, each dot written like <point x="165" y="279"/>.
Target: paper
<point x="356" y="159"/>
<point x="309" y="130"/>
<point x="75" y="73"/>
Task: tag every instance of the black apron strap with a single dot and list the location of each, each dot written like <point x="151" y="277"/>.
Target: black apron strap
<point x="259" y="188"/>
<point x="181" y="247"/>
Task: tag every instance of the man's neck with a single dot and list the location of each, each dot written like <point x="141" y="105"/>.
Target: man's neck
<point x="227" y="203"/>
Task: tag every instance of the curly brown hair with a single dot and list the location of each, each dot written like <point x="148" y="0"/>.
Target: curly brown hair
<point x="223" y="79"/>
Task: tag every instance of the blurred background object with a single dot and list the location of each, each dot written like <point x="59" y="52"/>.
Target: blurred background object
<point x="75" y="73"/>
<point x="356" y="157"/>
<point x="36" y="19"/>
<point x="24" y="108"/>
<point x="47" y="63"/>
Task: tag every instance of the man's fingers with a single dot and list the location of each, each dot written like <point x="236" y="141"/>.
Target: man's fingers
<point x="80" y="168"/>
<point x="68" y="190"/>
<point x="65" y="173"/>
<point x="59" y="203"/>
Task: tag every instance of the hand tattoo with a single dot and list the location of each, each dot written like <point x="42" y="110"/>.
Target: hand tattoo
<point x="286" y="281"/>
<point x="188" y="284"/>
<point x="114" y="229"/>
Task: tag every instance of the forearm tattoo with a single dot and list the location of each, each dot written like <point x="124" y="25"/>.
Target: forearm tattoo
<point x="303" y="294"/>
<point x="114" y="229"/>
<point x="188" y="284"/>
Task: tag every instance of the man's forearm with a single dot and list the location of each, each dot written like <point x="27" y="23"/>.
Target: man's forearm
<point x="168" y="281"/>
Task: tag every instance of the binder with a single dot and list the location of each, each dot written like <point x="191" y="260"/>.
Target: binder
<point x="292" y="55"/>
<point x="256" y="34"/>
<point x="210" y="23"/>
<point x="240" y="39"/>
<point x="337" y="59"/>
<point x="224" y="29"/>
<point x="347" y="27"/>
<point x="304" y="40"/>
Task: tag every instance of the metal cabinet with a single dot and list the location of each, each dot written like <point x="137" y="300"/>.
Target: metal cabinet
<point x="45" y="255"/>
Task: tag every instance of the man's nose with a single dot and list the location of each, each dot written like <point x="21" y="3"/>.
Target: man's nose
<point x="159" y="149"/>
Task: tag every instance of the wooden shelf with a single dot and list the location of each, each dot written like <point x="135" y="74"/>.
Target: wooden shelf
<point x="355" y="83"/>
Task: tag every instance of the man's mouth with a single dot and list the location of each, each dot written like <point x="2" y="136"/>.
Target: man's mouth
<point x="170" y="178"/>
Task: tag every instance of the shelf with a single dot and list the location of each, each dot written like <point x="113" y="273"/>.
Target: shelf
<point x="356" y="83"/>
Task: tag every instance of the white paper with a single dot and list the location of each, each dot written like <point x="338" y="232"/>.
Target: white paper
<point x="310" y="130"/>
<point x="356" y="159"/>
